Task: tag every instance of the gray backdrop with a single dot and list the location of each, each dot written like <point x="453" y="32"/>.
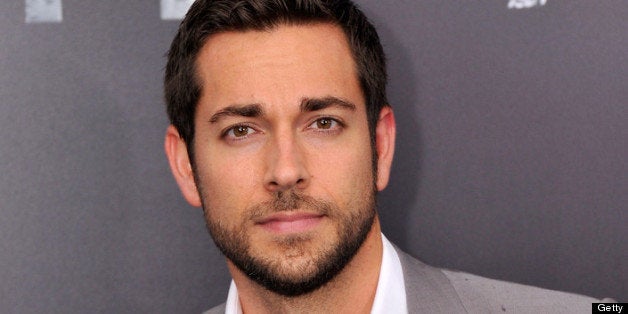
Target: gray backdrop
<point x="511" y="153"/>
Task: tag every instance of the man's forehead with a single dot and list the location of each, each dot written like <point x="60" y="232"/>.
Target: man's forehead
<point x="314" y="58"/>
<point x="237" y="40"/>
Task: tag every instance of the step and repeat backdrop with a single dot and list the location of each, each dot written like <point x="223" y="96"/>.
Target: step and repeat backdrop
<point x="511" y="155"/>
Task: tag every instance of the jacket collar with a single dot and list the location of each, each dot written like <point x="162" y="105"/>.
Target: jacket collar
<point x="428" y="290"/>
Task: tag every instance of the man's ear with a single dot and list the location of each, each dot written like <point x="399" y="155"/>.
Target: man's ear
<point x="180" y="165"/>
<point x="385" y="132"/>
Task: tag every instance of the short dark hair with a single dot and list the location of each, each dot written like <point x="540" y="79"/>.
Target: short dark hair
<point x="208" y="17"/>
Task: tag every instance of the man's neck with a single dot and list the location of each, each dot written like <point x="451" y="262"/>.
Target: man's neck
<point x="351" y="291"/>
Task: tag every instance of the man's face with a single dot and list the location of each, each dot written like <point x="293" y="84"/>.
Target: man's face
<point x="282" y="153"/>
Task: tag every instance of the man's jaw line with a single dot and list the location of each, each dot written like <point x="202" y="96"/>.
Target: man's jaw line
<point x="265" y="294"/>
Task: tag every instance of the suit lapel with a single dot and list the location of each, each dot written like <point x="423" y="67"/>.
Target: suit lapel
<point x="427" y="289"/>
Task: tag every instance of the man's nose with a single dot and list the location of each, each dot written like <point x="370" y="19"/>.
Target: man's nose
<point x="286" y="164"/>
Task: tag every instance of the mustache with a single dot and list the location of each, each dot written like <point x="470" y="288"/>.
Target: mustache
<point x="290" y="201"/>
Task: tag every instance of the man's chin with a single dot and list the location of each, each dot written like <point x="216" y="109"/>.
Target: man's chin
<point x="294" y="257"/>
<point x="296" y="265"/>
<point x="294" y="260"/>
<point x="293" y="272"/>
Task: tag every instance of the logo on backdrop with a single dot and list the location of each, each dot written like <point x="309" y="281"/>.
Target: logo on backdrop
<point x="43" y="11"/>
<point x="525" y="4"/>
<point x="50" y="11"/>
<point x="174" y="9"/>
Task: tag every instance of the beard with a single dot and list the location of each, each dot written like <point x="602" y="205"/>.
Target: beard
<point x="303" y="264"/>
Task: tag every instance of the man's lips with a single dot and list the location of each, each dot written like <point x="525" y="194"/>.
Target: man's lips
<point x="290" y="222"/>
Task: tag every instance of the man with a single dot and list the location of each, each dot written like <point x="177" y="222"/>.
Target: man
<point x="281" y="131"/>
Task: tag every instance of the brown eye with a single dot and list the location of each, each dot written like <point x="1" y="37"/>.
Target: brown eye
<point x="240" y="131"/>
<point x="324" y="123"/>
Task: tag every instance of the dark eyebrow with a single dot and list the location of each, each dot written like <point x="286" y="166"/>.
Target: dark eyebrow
<point x="314" y="104"/>
<point x="252" y="110"/>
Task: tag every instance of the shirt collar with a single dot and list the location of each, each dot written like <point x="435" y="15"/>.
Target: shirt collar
<point x="390" y="296"/>
<point x="233" y="301"/>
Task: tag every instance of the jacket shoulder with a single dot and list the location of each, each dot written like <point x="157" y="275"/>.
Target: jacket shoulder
<point x="501" y="296"/>
<point x="219" y="309"/>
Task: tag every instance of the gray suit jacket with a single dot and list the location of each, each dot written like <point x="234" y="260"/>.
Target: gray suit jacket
<point x="434" y="290"/>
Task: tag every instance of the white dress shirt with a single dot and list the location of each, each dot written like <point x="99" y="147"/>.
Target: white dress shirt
<point x="390" y="296"/>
